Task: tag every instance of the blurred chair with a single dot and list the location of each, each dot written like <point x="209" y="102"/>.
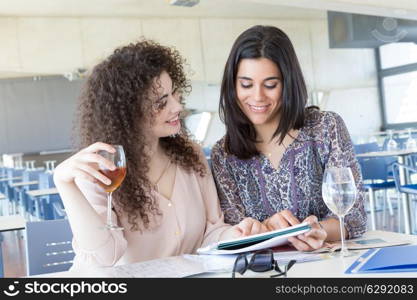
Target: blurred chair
<point x="48" y="247"/>
<point x="4" y="204"/>
<point x="29" y="175"/>
<point x="3" y="184"/>
<point x="364" y="148"/>
<point x="375" y="177"/>
<point x="410" y="188"/>
<point x="410" y="160"/>
<point x="47" y="207"/>
<point x="46" y="180"/>
<point x="375" y="173"/>
<point x="1" y="260"/>
<point x="9" y="191"/>
<point x="20" y="201"/>
<point x="374" y="147"/>
<point x="207" y="153"/>
<point x="413" y="159"/>
<point x="3" y="172"/>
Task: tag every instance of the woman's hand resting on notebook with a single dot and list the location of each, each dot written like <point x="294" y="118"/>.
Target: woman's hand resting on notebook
<point x="247" y="226"/>
<point x="308" y="241"/>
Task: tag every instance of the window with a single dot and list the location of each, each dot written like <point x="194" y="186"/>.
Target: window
<point x="198" y="124"/>
<point x="397" y="81"/>
<point x="398" y="54"/>
<point x="401" y="98"/>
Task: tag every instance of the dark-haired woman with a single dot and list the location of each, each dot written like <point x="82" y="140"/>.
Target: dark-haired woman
<point x="168" y="202"/>
<point x="270" y="164"/>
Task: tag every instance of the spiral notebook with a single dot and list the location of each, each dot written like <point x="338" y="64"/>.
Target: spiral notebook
<point x="255" y="242"/>
<point x="386" y="260"/>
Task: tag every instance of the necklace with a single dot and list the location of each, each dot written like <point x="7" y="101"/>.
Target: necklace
<point x="162" y="174"/>
<point x="269" y="154"/>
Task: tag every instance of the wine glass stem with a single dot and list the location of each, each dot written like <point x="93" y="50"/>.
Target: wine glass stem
<point x="109" y="208"/>
<point x="342" y="234"/>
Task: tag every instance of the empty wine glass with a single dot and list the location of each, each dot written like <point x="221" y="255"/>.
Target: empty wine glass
<point x="116" y="176"/>
<point x="339" y="193"/>
<point x="47" y="169"/>
<point x="411" y="144"/>
<point x="52" y="162"/>
<point x="391" y="144"/>
<point x="373" y="139"/>
<point x="18" y="162"/>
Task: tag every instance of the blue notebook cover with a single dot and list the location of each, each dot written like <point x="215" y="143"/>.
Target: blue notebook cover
<point x="386" y="260"/>
<point x="255" y="242"/>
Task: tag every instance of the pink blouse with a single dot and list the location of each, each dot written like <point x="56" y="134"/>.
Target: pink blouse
<point x="192" y="218"/>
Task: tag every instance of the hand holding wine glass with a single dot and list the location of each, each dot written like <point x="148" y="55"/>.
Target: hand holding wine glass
<point x="339" y="193"/>
<point x="99" y="163"/>
<point x="116" y="176"/>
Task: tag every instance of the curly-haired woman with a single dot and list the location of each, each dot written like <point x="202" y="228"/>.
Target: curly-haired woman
<point x="168" y="202"/>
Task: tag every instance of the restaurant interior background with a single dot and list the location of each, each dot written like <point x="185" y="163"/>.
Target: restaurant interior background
<point x="48" y="47"/>
<point x="359" y="59"/>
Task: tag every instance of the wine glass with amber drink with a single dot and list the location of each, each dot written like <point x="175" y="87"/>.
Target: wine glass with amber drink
<point x="116" y="176"/>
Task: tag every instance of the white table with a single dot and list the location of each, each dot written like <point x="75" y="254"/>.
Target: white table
<point x="331" y="268"/>
<point x="10" y="178"/>
<point x="10" y="223"/>
<point x="335" y="267"/>
<point x="18" y="184"/>
<point x="42" y="192"/>
<point x="400" y="154"/>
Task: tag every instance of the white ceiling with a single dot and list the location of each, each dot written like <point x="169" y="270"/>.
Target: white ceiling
<point x="151" y="8"/>
<point x="276" y="9"/>
<point x="207" y="8"/>
<point x="406" y="9"/>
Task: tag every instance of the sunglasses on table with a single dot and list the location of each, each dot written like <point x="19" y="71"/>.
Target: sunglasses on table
<point x="261" y="261"/>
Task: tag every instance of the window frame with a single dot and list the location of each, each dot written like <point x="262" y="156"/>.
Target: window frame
<point x="381" y="74"/>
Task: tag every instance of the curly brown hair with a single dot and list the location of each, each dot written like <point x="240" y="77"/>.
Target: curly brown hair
<point x="114" y="108"/>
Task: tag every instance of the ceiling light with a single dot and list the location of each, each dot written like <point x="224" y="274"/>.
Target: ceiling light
<point x="187" y="3"/>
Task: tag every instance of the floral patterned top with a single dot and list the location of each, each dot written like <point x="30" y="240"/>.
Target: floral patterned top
<point x="254" y="188"/>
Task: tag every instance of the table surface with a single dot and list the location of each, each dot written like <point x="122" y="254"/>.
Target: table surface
<point x="2" y="196"/>
<point x="8" y="223"/>
<point x="330" y="268"/>
<point x="11" y="178"/>
<point x="42" y="192"/>
<point x="387" y="153"/>
<point x="17" y="184"/>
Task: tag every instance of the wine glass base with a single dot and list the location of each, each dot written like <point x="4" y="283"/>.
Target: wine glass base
<point x="113" y="227"/>
<point x="344" y="253"/>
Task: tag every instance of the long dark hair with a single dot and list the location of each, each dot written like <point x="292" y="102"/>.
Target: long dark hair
<point x="115" y="108"/>
<point x="271" y="43"/>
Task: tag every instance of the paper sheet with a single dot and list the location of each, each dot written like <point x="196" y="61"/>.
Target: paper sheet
<point x="373" y="239"/>
<point x="185" y="265"/>
<point x="176" y="266"/>
<point x="224" y="263"/>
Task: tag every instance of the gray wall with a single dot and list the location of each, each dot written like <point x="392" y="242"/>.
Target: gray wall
<point x="37" y="115"/>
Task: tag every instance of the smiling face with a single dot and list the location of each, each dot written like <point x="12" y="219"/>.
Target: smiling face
<point x="167" y="108"/>
<point x="259" y="90"/>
